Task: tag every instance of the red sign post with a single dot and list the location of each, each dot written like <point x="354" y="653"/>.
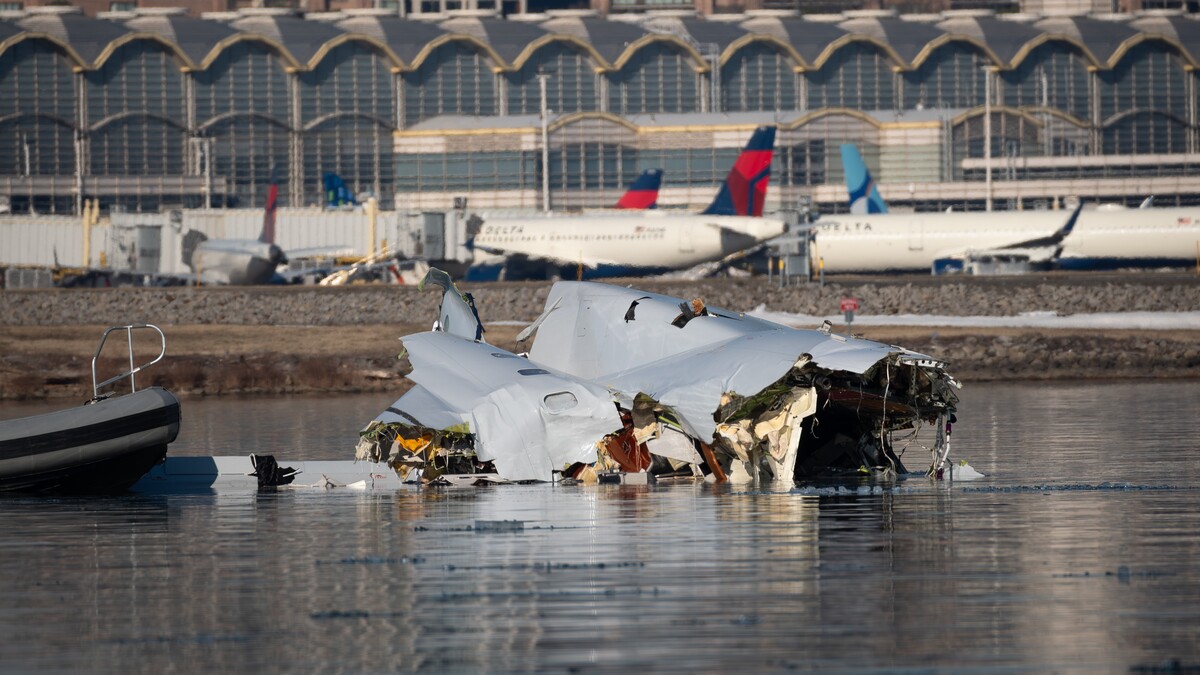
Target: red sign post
<point x="848" y="306"/>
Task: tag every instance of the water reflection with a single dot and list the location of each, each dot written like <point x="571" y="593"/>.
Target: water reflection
<point x="674" y="576"/>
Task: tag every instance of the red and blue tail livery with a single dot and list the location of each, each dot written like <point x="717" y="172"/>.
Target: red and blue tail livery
<point x="745" y="188"/>
<point x="267" y="236"/>
<point x="643" y="192"/>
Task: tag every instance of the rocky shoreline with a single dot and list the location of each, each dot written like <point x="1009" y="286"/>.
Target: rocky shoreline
<point x="282" y="340"/>
<point x="522" y="301"/>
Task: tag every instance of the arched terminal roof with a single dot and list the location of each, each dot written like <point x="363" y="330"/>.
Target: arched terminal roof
<point x="906" y="39"/>
<point x="1172" y="27"/>
<point x="719" y="33"/>
<point x="809" y="40"/>
<point x="85" y="36"/>
<point x="406" y="39"/>
<point x="196" y="38"/>
<point x="610" y="39"/>
<point x="303" y="39"/>
<point x="1003" y="38"/>
<point x="1102" y="39"/>
<point x="508" y="39"/>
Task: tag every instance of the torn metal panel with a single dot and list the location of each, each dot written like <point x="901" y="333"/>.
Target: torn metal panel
<point x="736" y="382"/>
<point x="457" y="314"/>
<point x="586" y="333"/>
<point x="673" y="445"/>
<point x="526" y="420"/>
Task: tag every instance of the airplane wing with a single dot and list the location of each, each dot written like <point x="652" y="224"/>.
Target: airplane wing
<point x="319" y="252"/>
<point x="588" y="261"/>
<point x="707" y="269"/>
<point x="1055" y="239"/>
<point x="1036" y="250"/>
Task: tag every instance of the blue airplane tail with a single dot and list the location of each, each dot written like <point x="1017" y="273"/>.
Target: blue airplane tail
<point x="864" y="195"/>
<point x="336" y="192"/>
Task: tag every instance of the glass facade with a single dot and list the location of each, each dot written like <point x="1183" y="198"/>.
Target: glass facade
<point x="455" y="79"/>
<point x="571" y="85"/>
<point x="759" y="77"/>
<point x="459" y="172"/>
<point x="1053" y="75"/>
<point x="952" y="77"/>
<point x="658" y="78"/>
<point x="858" y="75"/>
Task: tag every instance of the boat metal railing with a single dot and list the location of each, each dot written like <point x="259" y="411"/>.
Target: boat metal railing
<point x="133" y="370"/>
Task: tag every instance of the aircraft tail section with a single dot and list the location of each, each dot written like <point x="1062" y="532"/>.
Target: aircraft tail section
<point x="864" y="194"/>
<point x="336" y="192"/>
<point x="745" y="188"/>
<point x="268" y="230"/>
<point x="643" y="193"/>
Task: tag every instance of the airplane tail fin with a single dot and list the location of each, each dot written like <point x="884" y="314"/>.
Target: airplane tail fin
<point x="457" y="314"/>
<point x="643" y="193"/>
<point x="268" y="230"/>
<point x="864" y="195"/>
<point x="745" y="188"/>
<point x="336" y="192"/>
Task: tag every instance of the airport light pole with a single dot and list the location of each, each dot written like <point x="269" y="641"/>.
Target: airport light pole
<point x="541" y="77"/>
<point x="987" y="133"/>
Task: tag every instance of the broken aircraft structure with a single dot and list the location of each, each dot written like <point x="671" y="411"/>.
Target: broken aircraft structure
<point x="619" y="382"/>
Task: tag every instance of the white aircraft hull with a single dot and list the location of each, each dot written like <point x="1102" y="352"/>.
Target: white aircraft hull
<point x="1101" y="239"/>
<point x="1122" y="238"/>
<point x="904" y="242"/>
<point x="235" y="262"/>
<point x="624" y="244"/>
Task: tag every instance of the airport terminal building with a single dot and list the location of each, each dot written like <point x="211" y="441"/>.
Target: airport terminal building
<point x="157" y="110"/>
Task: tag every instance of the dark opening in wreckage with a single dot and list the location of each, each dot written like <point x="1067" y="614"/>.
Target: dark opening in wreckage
<point x="620" y="382"/>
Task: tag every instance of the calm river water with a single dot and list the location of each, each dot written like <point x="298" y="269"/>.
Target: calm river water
<point x="1079" y="551"/>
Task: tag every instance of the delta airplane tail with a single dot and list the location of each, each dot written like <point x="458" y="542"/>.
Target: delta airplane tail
<point x="864" y="195"/>
<point x="267" y="236"/>
<point x="643" y="192"/>
<point x="745" y="188"/>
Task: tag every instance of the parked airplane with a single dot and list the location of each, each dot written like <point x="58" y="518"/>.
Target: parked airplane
<point x="882" y="241"/>
<point x="237" y="261"/>
<point x="1102" y="238"/>
<point x="649" y="242"/>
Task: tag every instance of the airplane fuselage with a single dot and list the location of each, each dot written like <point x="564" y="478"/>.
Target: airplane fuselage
<point x="899" y="242"/>
<point x="626" y="244"/>
<point x="235" y="262"/>
<point x="1101" y="239"/>
<point x="1124" y="238"/>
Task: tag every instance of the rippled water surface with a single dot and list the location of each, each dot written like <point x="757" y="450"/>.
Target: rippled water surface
<point x="1080" y="551"/>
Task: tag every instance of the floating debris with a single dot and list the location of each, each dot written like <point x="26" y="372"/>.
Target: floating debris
<point x="482" y="526"/>
<point x="621" y="385"/>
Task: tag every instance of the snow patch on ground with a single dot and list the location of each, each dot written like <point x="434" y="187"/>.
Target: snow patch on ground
<point x="1115" y="320"/>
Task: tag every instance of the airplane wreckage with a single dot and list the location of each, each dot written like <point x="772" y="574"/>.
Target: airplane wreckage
<point x="620" y="382"/>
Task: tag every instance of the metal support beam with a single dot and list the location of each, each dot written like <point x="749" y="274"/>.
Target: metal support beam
<point x="541" y="78"/>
